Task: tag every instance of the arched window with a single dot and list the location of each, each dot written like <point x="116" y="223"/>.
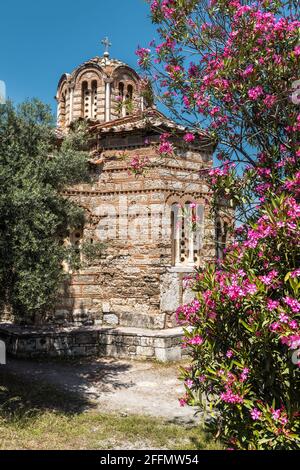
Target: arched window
<point x="76" y="240"/>
<point x="86" y="100"/>
<point x="129" y="92"/>
<point x="128" y="100"/>
<point x="94" y="99"/>
<point x="186" y="232"/>
<point x="121" y="90"/>
<point x="122" y="99"/>
<point x="62" y="109"/>
<point x="175" y="233"/>
<point x="221" y="238"/>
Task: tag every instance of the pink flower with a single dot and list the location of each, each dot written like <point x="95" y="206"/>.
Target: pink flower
<point x="293" y="304"/>
<point x="293" y="324"/>
<point x="283" y="318"/>
<point x="244" y="375"/>
<point x="295" y="273"/>
<point x="276" y="414"/>
<point x="144" y="56"/>
<point x="248" y="70"/>
<point x="165" y="148"/>
<point x="196" y="341"/>
<point x="268" y="279"/>
<point x="275" y="326"/>
<point x="297" y="50"/>
<point x="189" y="137"/>
<point x="229" y="354"/>
<point x="182" y="401"/>
<point x="230" y="397"/>
<point x="269" y="101"/>
<point x="189" y="383"/>
<point x="293" y="341"/>
<point x="255" y="93"/>
<point x="255" y="414"/>
<point x="272" y="304"/>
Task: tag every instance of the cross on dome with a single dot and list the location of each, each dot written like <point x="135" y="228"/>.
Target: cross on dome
<point x="107" y="44"/>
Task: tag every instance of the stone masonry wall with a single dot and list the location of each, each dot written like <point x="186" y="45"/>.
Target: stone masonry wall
<point x="134" y="283"/>
<point x="130" y="343"/>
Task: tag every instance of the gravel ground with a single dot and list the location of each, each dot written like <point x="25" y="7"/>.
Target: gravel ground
<point x="126" y="387"/>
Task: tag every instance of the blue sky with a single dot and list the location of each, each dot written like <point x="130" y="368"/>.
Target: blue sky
<point x="40" y="40"/>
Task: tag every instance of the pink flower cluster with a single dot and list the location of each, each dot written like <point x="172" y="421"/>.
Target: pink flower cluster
<point x="269" y="278"/>
<point x="292" y="341"/>
<point x="230" y="397"/>
<point x="196" y="341"/>
<point x="189" y="137"/>
<point x="235" y="286"/>
<point x="255" y="93"/>
<point x="137" y="164"/>
<point x="165" y="148"/>
<point x="293" y="304"/>
<point x="188" y="313"/>
<point x="255" y="414"/>
<point x="144" y="56"/>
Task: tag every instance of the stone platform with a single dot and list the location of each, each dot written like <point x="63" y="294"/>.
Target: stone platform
<point x="122" y="342"/>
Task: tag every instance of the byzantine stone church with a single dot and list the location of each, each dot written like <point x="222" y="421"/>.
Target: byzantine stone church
<point x="126" y="299"/>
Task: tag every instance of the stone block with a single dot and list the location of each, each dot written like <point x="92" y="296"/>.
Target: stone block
<point x="92" y="290"/>
<point x="75" y="290"/>
<point x="43" y="343"/>
<point x="147" y="341"/>
<point x="114" y="350"/>
<point x="61" y="343"/>
<point x="105" y="307"/>
<point x="86" y="338"/>
<point x="168" y="354"/>
<point x="170" y="292"/>
<point x="26" y="345"/>
<point x="91" y="350"/>
<point x="61" y="314"/>
<point x="145" y="351"/>
<point x="110" y="319"/>
<point x="159" y="342"/>
<point x="78" y="351"/>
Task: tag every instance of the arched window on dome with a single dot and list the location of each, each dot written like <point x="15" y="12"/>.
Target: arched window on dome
<point x="121" y="90"/>
<point x="129" y="98"/>
<point x="130" y="92"/>
<point x="122" y="99"/>
<point x="62" y="109"/>
<point x="85" y="100"/>
<point x="94" y="99"/>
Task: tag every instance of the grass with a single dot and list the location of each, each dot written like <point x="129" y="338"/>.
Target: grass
<point x="40" y="417"/>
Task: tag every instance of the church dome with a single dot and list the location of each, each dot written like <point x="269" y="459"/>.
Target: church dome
<point x="99" y="90"/>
